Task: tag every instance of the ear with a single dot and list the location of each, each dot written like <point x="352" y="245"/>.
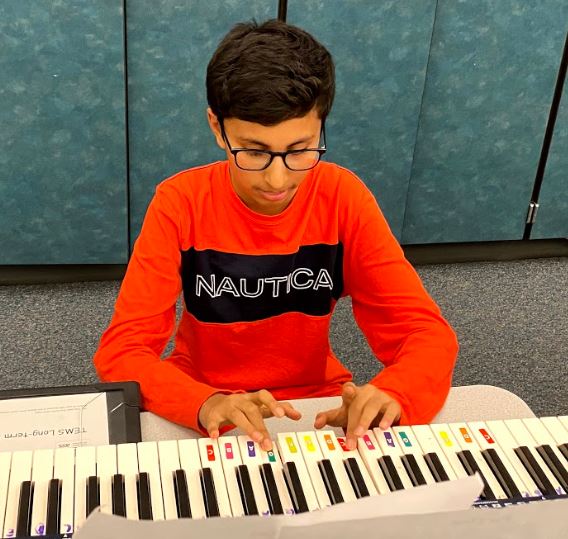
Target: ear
<point x="215" y="128"/>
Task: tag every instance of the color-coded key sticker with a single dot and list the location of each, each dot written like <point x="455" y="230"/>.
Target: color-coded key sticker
<point x="271" y="456"/>
<point x="210" y="453"/>
<point x="329" y="442"/>
<point x="309" y="444"/>
<point x="466" y="435"/>
<point x="342" y="444"/>
<point x="487" y="436"/>
<point x="368" y="442"/>
<point x="291" y="445"/>
<point x="229" y="451"/>
<point x="389" y="439"/>
<point x="250" y="449"/>
<point x="404" y="438"/>
<point x="445" y="438"/>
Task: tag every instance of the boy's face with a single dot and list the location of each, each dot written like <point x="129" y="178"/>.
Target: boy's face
<point x="267" y="191"/>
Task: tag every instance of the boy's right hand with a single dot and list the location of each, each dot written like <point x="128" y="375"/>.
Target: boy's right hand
<point x="246" y="411"/>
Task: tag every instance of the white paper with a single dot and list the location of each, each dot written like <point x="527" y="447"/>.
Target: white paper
<point x="54" y="421"/>
<point x="447" y="496"/>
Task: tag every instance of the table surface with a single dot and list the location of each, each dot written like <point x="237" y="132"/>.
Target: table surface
<point x="464" y="403"/>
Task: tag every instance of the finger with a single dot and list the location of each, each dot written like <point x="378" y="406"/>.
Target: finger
<point x="335" y="417"/>
<point x="254" y="416"/>
<point x="290" y="411"/>
<point x="348" y="392"/>
<point x="354" y="415"/>
<point x="265" y="398"/>
<point x="212" y="427"/>
<point x="390" y="415"/>
<point x="240" y="419"/>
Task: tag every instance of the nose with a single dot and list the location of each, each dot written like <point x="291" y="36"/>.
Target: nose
<point x="276" y="175"/>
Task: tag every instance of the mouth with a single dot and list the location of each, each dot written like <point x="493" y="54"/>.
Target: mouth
<point x="273" y="196"/>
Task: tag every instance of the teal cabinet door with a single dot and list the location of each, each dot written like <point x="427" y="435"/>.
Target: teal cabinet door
<point x="489" y="86"/>
<point x="62" y="133"/>
<point x="170" y="43"/>
<point x="552" y="216"/>
<point x="381" y="52"/>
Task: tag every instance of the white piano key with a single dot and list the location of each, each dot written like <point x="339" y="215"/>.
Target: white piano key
<point x="21" y="470"/>
<point x="106" y="468"/>
<point x="210" y="458"/>
<point x="501" y="434"/>
<point x="149" y="463"/>
<point x="312" y="455"/>
<point x="331" y="450"/>
<point x="290" y="451"/>
<point x="429" y="444"/>
<point x="524" y="438"/>
<point x="467" y="441"/>
<point x="556" y="429"/>
<point x="486" y="440"/>
<point x="354" y="453"/>
<point x="369" y="450"/>
<point x="251" y="456"/>
<point x="169" y="463"/>
<point x="389" y="446"/>
<point x="42" y="473"/>
<point x="190" y="462"/>
<point x="5" y="462"/>
<point x="542" y="436"/>
<point x="450" y="446"/>
<point x="85" y="466"/>
<point x="64" y="469"/>
<point x="564" y="420"/>
<point x="230" y="459"/>
<point x="410" y="446"/>
<point x="273" y="458"/>
<point x="127" y="465"/>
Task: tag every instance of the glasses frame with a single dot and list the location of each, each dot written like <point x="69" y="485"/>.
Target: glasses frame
<point x="283" y="155"/>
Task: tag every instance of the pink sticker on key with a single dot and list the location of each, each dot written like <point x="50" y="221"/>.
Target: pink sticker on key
<point x="368" y="442"/>
<point x="229" y="451"/>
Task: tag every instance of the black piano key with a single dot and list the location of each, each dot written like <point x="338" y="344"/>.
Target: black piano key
<point x="330" y="481"/>
<point x="118" y="495"/>
<point x="468" y="462"/>
<point x="413" y="470"/>
<point x="24" y="520"/>
<point x="500" y="472"/>
<point x="144" y="496"/>
<point x="53" y="518"/>
<point x="93" y="494"/>
<point x="389" y="471"/>
<point x="356" y="477"/>
<point x="271" y="490"/>
<point x="295" y="487"/>
<point x="209" y="495"/>
<point x="182" y="494"/>
<point x="436" y="468"/>
<point x="245" y="488"/>
<point x="535" y="471"/>
<point x="554" y="464"/>
<point x="564" y="450"/>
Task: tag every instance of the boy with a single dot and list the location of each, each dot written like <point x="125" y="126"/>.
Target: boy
<point x="262" y="246"/>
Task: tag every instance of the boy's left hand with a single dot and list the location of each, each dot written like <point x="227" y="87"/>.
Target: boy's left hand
<point x="362" y="407"/>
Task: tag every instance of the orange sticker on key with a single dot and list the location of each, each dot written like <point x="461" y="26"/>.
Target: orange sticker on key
<point x="465" y="435"/>
<point x="329" y="442"/>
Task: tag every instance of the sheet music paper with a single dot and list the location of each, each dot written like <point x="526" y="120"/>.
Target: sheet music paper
<point x="53" y="421"/>
<point x="447" y="496"/>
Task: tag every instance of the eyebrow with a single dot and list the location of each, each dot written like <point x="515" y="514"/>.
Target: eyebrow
<point x="264" y="145"/>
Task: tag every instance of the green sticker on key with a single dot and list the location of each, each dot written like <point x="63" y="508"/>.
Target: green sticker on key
<point x="405" y="439"/>
<point x="271" y="457"/>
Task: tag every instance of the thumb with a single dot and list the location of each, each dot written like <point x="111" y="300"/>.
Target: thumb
<point x="348" y="392"/>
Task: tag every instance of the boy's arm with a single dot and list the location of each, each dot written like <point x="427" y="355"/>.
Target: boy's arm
<point x="144" y="319"/>
<point x="402" y="324"/>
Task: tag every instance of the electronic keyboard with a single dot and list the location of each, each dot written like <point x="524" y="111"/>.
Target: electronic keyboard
<point x="51" y="492"/>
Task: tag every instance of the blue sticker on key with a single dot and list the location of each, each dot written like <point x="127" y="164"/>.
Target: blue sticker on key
<point x="388" y="438"/>
<point x="251" y="451"/>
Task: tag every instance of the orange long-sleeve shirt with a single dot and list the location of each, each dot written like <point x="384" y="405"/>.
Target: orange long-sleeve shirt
<point x="259" y="292"/>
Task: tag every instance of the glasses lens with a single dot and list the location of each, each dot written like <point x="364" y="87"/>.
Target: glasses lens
<point x="252" y="160"/>
<point x="302" y="160"/>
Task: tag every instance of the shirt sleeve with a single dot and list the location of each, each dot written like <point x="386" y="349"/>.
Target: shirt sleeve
<point x="402" y="324"/>
<point x="144" y="319"/>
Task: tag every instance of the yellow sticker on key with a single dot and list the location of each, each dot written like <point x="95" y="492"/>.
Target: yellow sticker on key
<point x="309" y="443"/>
<point x="291" y="445"/>
<point x="445" y="438"/>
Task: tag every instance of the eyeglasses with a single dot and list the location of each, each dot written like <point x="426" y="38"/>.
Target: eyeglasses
<point x="296" y="160"/>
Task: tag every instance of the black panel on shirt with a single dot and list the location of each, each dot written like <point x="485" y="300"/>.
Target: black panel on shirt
<point x="226" y="287"/>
